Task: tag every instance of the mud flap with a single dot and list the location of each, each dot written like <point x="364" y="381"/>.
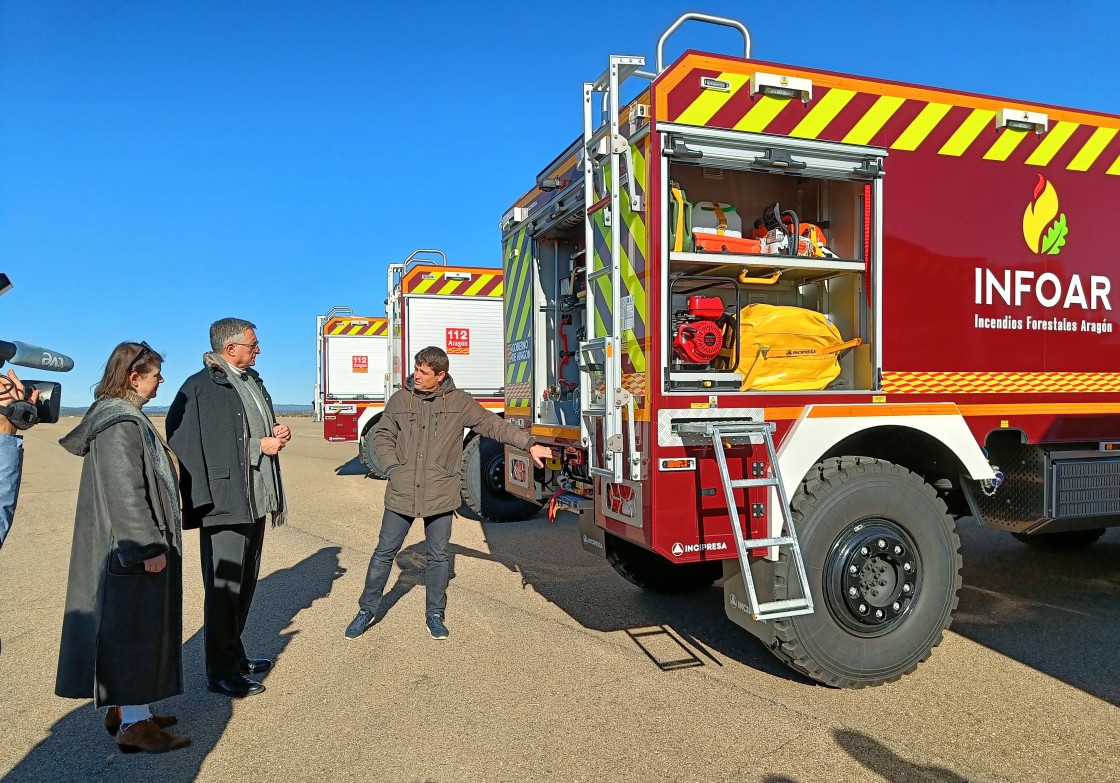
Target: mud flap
<point x="591" y="536"/>
<point x="736" y="604"/>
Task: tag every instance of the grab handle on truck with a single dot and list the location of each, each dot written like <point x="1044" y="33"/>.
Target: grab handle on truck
<point x="710" y="20"/>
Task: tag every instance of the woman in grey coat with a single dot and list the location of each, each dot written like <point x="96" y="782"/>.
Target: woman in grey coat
<point x="122" y="636"/>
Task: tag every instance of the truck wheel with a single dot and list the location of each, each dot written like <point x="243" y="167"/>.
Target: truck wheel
<point x="1061" y="542"/>
<point x="368" y="457"/>
<point x="484" y="487"/>
<point x="651" y="571"/>
<point x="884" y="566"/>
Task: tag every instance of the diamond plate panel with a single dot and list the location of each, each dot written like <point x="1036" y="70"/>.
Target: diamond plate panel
<point x="665" y="419"/>
<point x="1020" y="502"/>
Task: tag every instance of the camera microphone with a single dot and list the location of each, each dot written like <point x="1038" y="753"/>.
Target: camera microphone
<point x="26" y="355"/>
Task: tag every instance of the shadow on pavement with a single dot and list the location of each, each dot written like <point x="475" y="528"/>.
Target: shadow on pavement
<point x="1053" y="611"/>
<point x="352" y="468"/>
<point x="551" y="561"/>
<point x="412" y="562"/>
<point x="78" y="747"/>
<point x="882" y="761"/>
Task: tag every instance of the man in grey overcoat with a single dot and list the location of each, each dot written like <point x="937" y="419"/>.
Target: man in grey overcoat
<point x="223" y="428"/>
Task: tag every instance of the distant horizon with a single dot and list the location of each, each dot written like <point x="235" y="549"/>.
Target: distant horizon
<point x="78" y="410"/>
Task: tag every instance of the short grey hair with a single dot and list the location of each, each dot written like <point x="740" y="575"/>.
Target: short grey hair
<point x="226" y="331"/>
<point x="434" y="357"/>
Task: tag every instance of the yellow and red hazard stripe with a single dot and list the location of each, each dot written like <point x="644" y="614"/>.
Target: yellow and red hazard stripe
<point x="885" y="114"/>
<point x="355" y="326"/>
<point x="453" y="281"/>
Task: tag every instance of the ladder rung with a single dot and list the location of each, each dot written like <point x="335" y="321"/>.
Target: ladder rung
<point x="747" y="483"/>
<point x="755" y="543"/>
<point x="766" y="617"/>
<point x="772" y="607"/>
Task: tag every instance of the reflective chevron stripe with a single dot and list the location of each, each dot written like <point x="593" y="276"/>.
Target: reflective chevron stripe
<point x="433" y="281"/>
<point x="356" y="327"/>
<point x="897" y="116"/>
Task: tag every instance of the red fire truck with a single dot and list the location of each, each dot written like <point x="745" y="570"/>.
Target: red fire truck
<point x="784" y="327"/>
<point x="352" y="354"/>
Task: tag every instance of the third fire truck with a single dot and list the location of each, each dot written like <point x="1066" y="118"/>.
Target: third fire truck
<point x="783" y="327"/>
<point x="352" y="351"/>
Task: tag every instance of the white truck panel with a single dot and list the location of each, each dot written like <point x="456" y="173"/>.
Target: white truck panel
<point x="475" y="326"/>
<point x="342" y="381"/>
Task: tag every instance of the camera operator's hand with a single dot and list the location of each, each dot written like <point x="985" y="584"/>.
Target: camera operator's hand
<point x="11" y="390"/>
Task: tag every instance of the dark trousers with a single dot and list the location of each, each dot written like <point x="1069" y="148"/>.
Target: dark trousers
<point x="231" y="562"/>
<point x="394" y="527"/>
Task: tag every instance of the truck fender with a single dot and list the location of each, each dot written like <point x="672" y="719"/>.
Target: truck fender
<point x="820" y="427"/>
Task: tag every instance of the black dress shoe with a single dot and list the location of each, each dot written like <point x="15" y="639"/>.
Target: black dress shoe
<point x="236" y="687"/>
<point x="255" y="665"/>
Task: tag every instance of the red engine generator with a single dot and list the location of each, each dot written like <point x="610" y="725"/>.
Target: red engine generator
<point x="699" y="330"/>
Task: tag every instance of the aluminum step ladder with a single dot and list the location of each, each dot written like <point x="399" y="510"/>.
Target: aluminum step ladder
<point x="721" y="434"/>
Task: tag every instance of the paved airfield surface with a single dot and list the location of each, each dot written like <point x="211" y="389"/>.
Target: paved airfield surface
<point x="557" y="669"/>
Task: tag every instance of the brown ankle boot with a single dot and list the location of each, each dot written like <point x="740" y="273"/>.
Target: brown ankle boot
<point x="148" y="737"/>
<point x="113" y="720"/>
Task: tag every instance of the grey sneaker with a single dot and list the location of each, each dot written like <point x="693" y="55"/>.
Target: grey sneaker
<point x="436" y="627"/>
<point x="362" y="620"/>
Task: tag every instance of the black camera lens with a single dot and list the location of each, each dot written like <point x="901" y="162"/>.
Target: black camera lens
<point x="46" y="410"/>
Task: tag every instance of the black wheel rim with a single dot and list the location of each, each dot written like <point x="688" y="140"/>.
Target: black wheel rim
<point x="493" y="473"/>
<point x="873" y="575"/>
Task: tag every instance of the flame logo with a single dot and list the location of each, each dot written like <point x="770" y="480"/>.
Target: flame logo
<point x="1044" y="228"/>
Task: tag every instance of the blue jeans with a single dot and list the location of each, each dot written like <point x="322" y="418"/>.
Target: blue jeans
<point x="11" y="469"/>
<point x="394" y="528"/>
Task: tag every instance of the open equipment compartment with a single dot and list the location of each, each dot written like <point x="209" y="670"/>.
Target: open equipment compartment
<point x="736" y="180"/>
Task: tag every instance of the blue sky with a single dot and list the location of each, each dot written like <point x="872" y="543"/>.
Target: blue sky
<point x="166" y="164"/>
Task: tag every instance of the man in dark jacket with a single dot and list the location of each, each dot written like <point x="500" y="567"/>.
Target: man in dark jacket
<point x="223" y="429"/>
<point x="419" y="440"/>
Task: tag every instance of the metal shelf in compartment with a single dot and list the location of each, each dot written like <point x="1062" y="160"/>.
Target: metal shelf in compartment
<point x="793" y="268"/>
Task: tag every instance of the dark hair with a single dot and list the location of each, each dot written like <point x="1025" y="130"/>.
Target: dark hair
<point x="225" y="331"/>
<point x="434" y="358"/>
<point x="125" y="359"/>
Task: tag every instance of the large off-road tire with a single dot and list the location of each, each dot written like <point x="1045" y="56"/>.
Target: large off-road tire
<point x="653" y="572"/>
<point x="1061" y="542"/>
<point x="884" y="566"/>
<point x="483" y="478"/>
<point x="368" y="457"/>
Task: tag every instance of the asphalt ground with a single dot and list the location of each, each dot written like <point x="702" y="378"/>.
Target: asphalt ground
<point x="557" y="669"/>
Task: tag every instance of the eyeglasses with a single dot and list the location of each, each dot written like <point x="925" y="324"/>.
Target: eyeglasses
<point x="144" y="349"/>
<point x="251" y="346"/>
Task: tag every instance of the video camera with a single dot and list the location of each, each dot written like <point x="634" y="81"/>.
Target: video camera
<point x="24" y="414"/>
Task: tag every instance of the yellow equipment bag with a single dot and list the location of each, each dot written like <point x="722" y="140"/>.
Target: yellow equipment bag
<point x="788" y="348"/>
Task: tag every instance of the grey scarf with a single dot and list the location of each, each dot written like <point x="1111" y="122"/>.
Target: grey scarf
<point x="107" y="411"/>
<point x="269" y="470"/>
